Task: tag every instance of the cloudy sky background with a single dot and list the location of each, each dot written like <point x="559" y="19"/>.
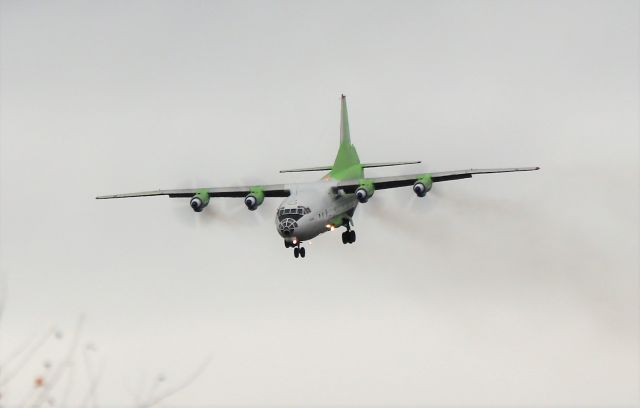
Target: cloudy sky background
<point x="517" y="289"/>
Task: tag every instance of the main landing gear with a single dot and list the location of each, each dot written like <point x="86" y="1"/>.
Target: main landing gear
<point x="349" y="236"/>
<point x="298" y="251"/>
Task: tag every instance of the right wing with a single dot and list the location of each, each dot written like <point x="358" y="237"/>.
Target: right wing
<point x="381" y="183"/>
<point x="273" y="190"/>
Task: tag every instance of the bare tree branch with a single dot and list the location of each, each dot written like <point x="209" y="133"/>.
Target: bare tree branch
<point x="69" y="385"/>
<point x="188" y="381"/>
<point x="60" y="369"/>
<point x="3" y="295"/>
<point x="94" y="379"/>
<point x="27" y="356"/>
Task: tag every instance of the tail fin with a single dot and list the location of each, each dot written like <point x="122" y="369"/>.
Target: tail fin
<point x="347" y="163"/>
<point x="344" y="122"/>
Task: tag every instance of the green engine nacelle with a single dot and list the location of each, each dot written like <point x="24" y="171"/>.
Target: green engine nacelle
<point x="364" y="191"/>
<point x="254" y="198"/>
<point x="200" y="200"/>
<point x="422" y="185"/>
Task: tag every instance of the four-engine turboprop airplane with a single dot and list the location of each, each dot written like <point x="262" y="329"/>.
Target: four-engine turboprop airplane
<point x="309" y="209"/>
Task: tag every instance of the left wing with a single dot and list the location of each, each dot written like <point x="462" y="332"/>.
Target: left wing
<point x="381" y="183"/>
<point x="273" y="190"/>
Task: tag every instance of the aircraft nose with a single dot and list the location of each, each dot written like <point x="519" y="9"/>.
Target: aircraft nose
<point x="287" y="226"/>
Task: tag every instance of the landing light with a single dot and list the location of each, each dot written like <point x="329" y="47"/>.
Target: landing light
<point x="295" y="241"/>
<point x="332" y="228"/>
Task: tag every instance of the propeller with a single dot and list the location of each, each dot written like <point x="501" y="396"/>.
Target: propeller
<point x="265" y="211"/>
<point x="222" y="210"/>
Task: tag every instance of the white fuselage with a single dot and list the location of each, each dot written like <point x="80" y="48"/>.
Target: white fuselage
<point x="313" y="208"/>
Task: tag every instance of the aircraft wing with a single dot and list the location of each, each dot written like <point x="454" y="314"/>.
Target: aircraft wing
<point x="381" y="183"/>
<point x="273" y="190"/>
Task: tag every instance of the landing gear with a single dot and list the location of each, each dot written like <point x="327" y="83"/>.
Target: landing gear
<point x="349" y="237"/>
<point x="299" y="251"/>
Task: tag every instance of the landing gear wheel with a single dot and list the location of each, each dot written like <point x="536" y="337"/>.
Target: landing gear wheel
<point x="286" y="244"/>
<point x="349" y="237"/>
<point x="296" y="252"/>
<point x="302" y="252"/>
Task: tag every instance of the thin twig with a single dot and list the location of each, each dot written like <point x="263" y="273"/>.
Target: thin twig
<point x="67" y="388"/>
<point x="66" y="363"/>
<point x="27" y="356"/>
<point x="94" y="380"/>
<point x="16" y="353"/>
<point x="181" y="386"/>
<point x="3" y="296"/>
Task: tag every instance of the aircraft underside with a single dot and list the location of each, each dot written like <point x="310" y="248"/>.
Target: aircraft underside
<point x="302" y="217"/>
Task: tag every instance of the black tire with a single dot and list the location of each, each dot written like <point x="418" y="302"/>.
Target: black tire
<point x="296" y="252"/>
<point x="352" y="236"/>
<point x="302" y="252"/>
<point x="286" y="244"/>
<point x="345" y="237"/>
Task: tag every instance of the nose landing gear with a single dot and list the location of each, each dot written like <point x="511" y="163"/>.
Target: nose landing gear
<point x="298" y="251"/>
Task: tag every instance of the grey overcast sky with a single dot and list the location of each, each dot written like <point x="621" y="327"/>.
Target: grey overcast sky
<point x="513" y="290"/>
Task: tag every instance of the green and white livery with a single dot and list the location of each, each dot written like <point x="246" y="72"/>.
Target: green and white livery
<point x="309" y="209"/>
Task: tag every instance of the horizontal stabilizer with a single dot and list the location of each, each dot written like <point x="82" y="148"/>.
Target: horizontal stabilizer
<point x="364" y="165"/>
<point x="320" y="168"/>
<point x="388" y="164"/>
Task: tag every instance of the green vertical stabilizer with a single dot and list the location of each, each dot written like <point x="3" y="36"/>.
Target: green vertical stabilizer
<point x="347" y="164"/>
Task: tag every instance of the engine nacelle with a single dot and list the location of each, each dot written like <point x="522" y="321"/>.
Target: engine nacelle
<point x="364" y="191"/>
<point x="422" y="185"/>
<point x="254" y="199"/>
<point x="200" y="200"/>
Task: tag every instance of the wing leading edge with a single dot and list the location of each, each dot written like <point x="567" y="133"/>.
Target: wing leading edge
<point x="274" y="190"/>
<point x="381" y="183"/>
<point x="348" y="186"/>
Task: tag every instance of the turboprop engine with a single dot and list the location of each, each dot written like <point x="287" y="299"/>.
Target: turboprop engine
<point x="364" y="191"/>
<point x="254" y="199"/>
<point x="199" y="201"/>
<point x="422" y="185"/>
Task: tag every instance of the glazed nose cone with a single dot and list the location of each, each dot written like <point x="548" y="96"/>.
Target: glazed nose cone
<point x="286" y="227"/>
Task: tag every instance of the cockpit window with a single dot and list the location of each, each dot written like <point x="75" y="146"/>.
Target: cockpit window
<point x="296" y="213"/>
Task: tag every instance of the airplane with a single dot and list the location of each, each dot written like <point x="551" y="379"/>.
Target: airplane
<point x="310" y="209"/>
